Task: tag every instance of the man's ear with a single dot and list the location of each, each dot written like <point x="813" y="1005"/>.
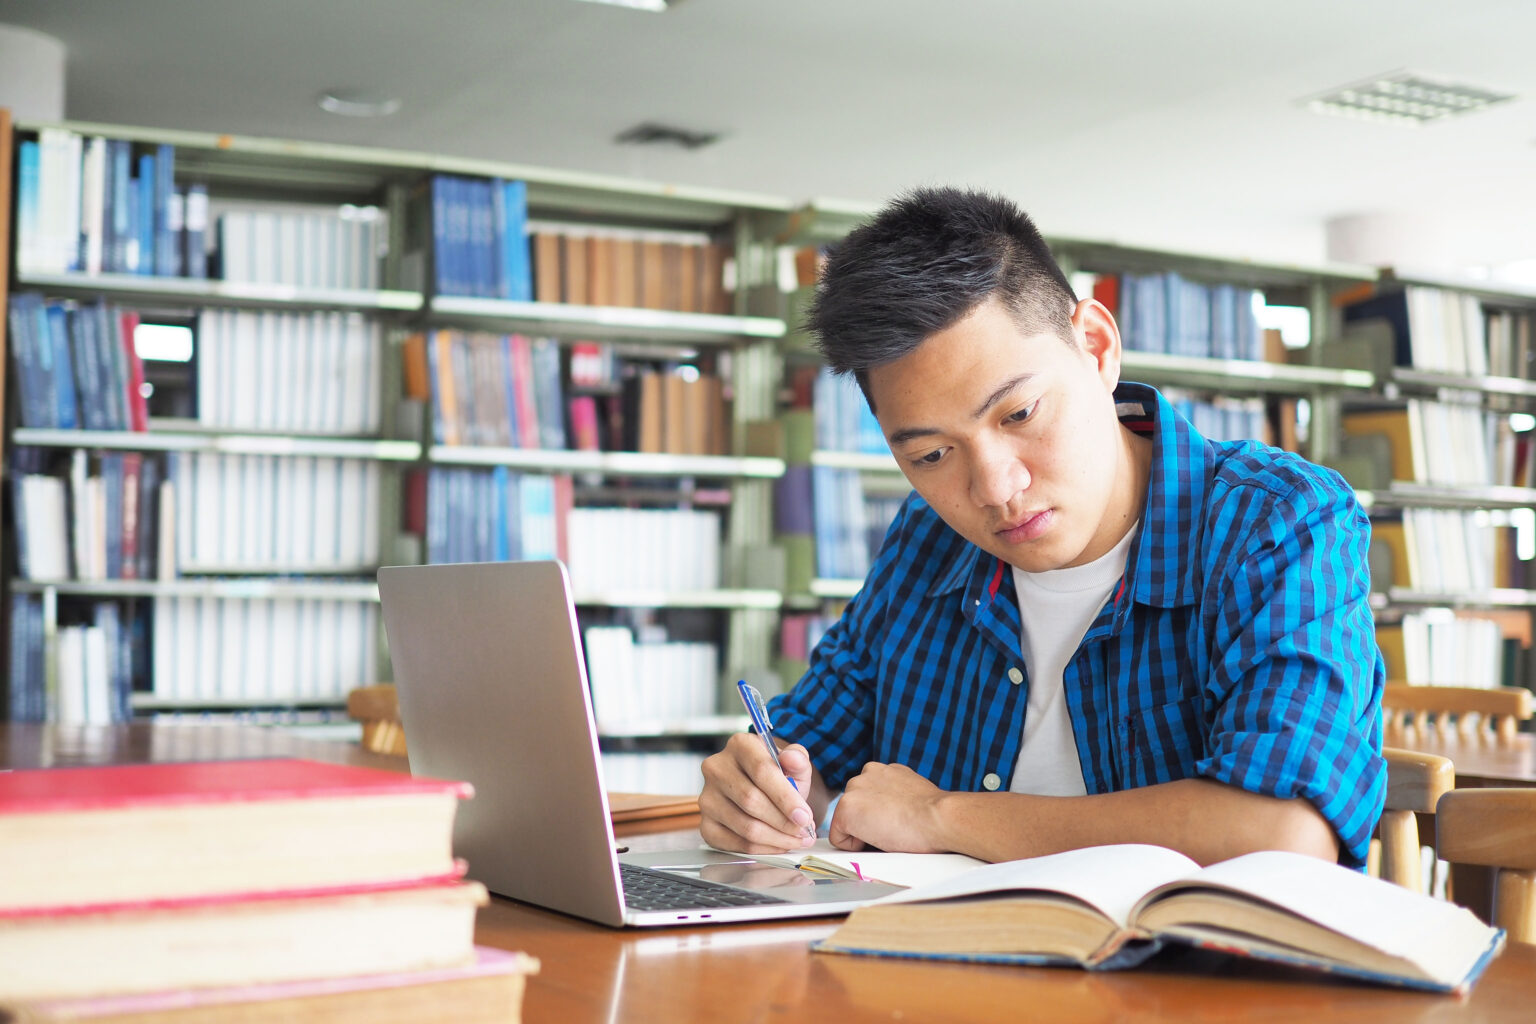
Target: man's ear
<point x="1095" y="330"/>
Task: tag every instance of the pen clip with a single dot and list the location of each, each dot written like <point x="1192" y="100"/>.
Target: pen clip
<point x="757" y="709"/>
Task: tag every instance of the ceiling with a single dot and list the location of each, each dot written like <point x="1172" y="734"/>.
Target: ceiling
<point x="1173" y="124"/>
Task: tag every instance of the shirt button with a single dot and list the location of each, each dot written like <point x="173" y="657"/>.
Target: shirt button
<point x="1015" y="676"/>
<point x="991" y="782"/>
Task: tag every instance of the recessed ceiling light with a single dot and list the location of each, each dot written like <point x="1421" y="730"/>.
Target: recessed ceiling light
<point x="1405" y="98"/>
<point x="654" y="6"/>
<point x="357" y="103"/>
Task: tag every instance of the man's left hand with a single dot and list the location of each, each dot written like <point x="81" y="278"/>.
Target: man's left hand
<point x="888" y="807"/>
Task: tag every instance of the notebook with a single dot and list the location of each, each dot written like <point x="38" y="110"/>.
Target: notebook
<point x="493" y="690"/>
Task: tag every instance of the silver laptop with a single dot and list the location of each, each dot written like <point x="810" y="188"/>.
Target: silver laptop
<point x="493" y="690"/>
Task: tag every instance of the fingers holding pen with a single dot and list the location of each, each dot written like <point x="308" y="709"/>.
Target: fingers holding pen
<point x="747" y="803"/>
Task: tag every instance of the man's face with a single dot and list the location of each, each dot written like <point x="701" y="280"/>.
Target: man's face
<point x="1013" y="439"/>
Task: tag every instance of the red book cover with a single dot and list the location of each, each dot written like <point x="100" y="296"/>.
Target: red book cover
<point x="1106" y="290"/>
<point x="488" y="963"/>
<point x="138" y="405"/>
<point x="133" y="467"/>
<point x="41" y="790"/>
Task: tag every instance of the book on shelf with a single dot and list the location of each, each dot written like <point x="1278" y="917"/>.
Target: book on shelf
<point x="603" y="265"/>
<point x="1169" y="313"/>
<point x="487" y="990"/>
<point x="653" y="679"/>
<point x="150" y="877"/>
<point x="1112" y="907"/>
<point x="495" y="515"/>
<point x="76" y="365"/>
<point x="301" y="245"/>
<point x="480" y="237"/>
<point x="93" y="205"/>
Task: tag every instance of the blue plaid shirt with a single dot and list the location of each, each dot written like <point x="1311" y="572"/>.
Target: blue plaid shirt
<point x="1238" y="646"/>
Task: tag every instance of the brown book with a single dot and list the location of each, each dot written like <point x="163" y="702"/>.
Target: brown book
<point x="675" y="413"/>
<point x="447" y="392"/>
<point x="717" y="424"/>
<point x="626" y="271"/>
<point x="651" y="406"/>
<point x="602" y="282"/>
<point x="652" y="275"/>
<point x="413" y="357"/>
<point x="548" y="272"/>
<point x="671" y="275"/>
<point x="578" y="285"/>
<point x="689" y="266"/>
<point x="713" y="298"/>
<point x="1112" y="906"/>
<point x="1394" y="424"/>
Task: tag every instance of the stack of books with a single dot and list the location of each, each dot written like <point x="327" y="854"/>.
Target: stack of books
<point x="223" y="891"/>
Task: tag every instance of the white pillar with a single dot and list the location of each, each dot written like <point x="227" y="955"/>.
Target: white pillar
<point x="31" y="74"/>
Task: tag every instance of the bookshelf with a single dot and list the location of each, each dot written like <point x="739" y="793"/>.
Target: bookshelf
<point x="413" y="266"/>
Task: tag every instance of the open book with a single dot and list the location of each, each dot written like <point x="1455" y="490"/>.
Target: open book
<point x="906" y="869"/>
<point x="1114" y="906"/>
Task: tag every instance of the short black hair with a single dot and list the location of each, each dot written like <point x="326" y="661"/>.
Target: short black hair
<point x="924" y="262"/>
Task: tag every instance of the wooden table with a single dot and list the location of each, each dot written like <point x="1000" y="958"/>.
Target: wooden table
<point x="1482" y="761"/>
<point x="767" y="973"/>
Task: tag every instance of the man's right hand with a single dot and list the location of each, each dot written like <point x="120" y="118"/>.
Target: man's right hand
<point x="748" y="805"/>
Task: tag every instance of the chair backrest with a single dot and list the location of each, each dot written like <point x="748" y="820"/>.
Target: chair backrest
<point x="1418" y="711"/>
<point x="1495" y="828"/>
<point x="379" y="710"/>
<point x="1415" y="784"/>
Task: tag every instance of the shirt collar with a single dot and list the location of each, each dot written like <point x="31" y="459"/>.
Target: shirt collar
<point x="1176" y="490"/>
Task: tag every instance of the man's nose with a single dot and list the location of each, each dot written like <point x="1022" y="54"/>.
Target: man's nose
<point x="998" y="475"/>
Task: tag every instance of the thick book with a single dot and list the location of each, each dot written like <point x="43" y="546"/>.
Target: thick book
<point x="1113" y="906"/>
<point x="487" y="989"/>
<point x="242" y="939"/>
<point x="103" y="835"/>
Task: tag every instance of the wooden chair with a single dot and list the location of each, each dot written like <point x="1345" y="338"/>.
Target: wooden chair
<point x="1415" y="784"/>
<point x="379" y="711"/>
<point x="1495" y="828"/>
<point x="1472" y="712"/>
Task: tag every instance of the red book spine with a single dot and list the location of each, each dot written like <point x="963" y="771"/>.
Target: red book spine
<point x="138" y="405"/>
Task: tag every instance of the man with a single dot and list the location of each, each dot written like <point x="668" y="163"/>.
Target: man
<point x="1088" y="624"/>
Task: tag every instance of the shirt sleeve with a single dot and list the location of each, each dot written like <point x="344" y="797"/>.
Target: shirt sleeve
<point x="1294" y="697"/>
<point x="831" y="711"/>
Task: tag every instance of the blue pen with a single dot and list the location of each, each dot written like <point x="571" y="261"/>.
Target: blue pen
<point x="758" y="712"/>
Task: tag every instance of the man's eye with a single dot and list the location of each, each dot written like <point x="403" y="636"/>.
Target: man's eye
<point x="1024" y="413"/>
<point x="931" y="458"/>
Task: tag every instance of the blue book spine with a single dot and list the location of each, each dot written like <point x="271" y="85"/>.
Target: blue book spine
<point x="63" y="367"/>
<point x="516" y="274"/>
<point x="27" y="209"/>
<point x="441" y="273"/>
<point x="41" y="345"/>
<point x="483" y="231"/>
<point x="119" y="211"/>
<point x="499" y="270"/>
<point x="23" y="345"/>
<point x="114" y="372"/>
<point x="149" y="519"/>
<point x="112" y="485"/>
<point x="437" y="514"/>
<point x="144" y="213"/>
<point x="167" y="259"/>
<point x="514" y="527"/>
<point x="508" y="382"/>
<point x="500" y="541"/>
<point x="87" y="372"/>
<point x="16" y="689"/>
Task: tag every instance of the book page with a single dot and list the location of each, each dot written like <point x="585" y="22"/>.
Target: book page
<point x="1426" y="931"/>
<point x="905" y="869"/>
<point x="1111" y="879"/>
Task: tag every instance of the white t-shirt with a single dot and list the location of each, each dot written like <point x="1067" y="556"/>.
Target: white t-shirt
<point x="1056" y="608"/>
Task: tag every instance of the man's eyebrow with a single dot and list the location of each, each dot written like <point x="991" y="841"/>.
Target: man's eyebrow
<point x="1003" y="391"/>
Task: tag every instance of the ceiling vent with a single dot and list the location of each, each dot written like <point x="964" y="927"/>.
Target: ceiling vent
<point x="652" y="134"/>
<point x="1405" y="98"/>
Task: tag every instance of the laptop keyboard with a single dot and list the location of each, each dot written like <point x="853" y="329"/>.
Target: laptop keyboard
<point x="645" y="889"/>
